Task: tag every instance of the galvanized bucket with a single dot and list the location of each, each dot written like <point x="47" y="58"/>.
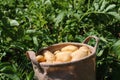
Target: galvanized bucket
<point x="83" y="69"/>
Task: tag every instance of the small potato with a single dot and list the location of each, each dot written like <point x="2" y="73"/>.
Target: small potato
<point x="77" y="55"/>
<point x="69" y="48"/>
<point x="49" y="56"/>
<point x="40" y="58"/>
<point x="63" y="57"/>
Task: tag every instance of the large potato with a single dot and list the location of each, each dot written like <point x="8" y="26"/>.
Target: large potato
<point x="75" y="53"/>
<point x="69" y="48"/>
<point x="63" y="57"/>
<point x="56" y="51"/>
<point x="78" y="54"/>
<point x="85" y="49"/>
<point x="49" y="56"/>
<point x="40" y="58"/>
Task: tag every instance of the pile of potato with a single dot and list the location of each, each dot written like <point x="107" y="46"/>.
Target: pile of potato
<point x="66" y="54"/>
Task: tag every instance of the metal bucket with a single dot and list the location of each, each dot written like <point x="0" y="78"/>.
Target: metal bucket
<point x="83" y="69"/>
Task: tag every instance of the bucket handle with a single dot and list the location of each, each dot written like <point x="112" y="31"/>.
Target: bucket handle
<point x="31" y="55"/>
<point x="88" y="39"/>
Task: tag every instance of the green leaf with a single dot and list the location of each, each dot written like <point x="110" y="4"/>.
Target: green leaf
<point x="6" y="21"/>
<point x="30" y="31"/>
<point x="30" y="75"/>
<point x="2" y="55"/>
<point x="14" y="23"/>
<point x="103" y="39"/>
<point x="115" y="14"/>
<point x="100" y="53"/>
<point x="110" y="7"/>
<point x="47" y="2"/>
<point x="4" y="64"/>
<point x="115" y="49"/>
<point x="35" y="41"/>
<point x="7" y="70"/>
<point x="12" y="76"/>
<point x="104" y="3"/>
<point x="96" y="6"/>
<point x="59" y="18"/>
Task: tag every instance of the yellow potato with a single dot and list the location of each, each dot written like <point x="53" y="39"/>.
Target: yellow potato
<point x="89" y="53"/>
<point x="77" y="55"/>
<point x="56" y="51"/>
<point x="63" y="56"/>
<point x="49" y="56"/>
<point x="40" y="58"/>
<point x="85" y="49"/>
<point x="69" y="48"/>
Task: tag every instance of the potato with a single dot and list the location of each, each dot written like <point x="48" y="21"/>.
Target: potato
<point x="56" y="51"/>
<point x="66" y="54"/>
<point x="85" y="49"/>
<point x="63" y="57"/>
<point x="49" y="56"/>
<point x="40" y="58"/>
<point x="75" y="53"/>
<point x="69" y="48"/>
<point x="78" y="55"/>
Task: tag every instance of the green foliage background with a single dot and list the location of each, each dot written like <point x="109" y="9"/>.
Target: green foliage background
<point x="33" y="24"/>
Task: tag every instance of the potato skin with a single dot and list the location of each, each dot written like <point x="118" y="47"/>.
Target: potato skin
<point x="84" y="48"/>
<point x="57" y="51"/>
<point x="78" y="54"/>
<point x="63" y="56"/>
<point x="69" y="48"/>
<point x="50" y="57"/>
<point x="40" y="58"/>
